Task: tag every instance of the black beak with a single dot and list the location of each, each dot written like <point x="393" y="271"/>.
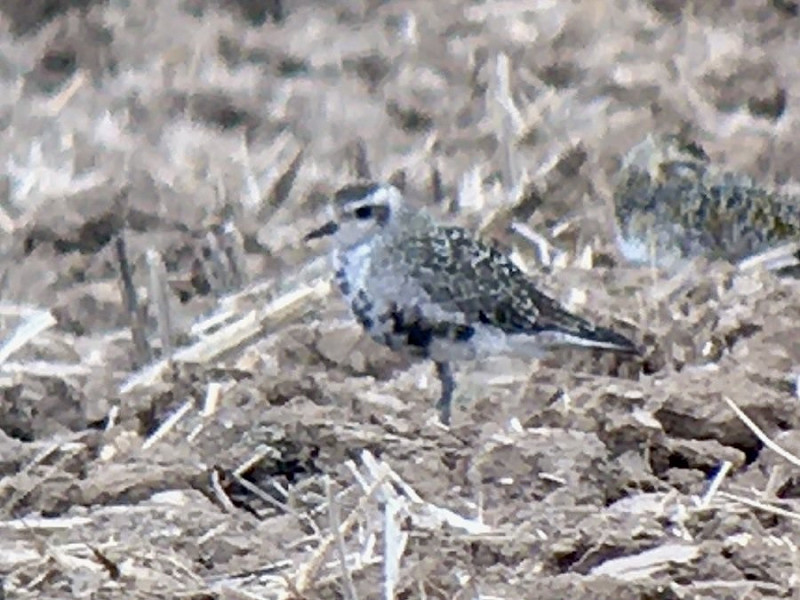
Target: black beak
<point x="329" y="228"/>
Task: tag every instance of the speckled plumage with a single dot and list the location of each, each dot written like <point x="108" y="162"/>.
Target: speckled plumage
<point x="672" y="205"/>
<point x="436" y="292"/>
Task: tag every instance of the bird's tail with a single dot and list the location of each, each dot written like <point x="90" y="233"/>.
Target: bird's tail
<point x="589" y="336"/>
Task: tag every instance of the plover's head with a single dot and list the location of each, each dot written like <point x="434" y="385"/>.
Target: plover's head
<point x="359" y="211"/>
<point x="667" y="156"/>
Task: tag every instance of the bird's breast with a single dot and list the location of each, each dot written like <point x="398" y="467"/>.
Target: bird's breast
<point x="352" y="269"/>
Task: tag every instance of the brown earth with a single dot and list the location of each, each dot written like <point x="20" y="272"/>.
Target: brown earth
<point x="281" y="454"/>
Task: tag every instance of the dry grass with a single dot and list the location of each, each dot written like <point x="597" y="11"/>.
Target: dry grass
<point x="188" y="412"/>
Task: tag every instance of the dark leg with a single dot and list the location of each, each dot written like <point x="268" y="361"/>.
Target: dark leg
<point x="443" y="404"/>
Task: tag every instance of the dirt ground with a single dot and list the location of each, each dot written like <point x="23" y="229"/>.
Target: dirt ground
<point x="174" y="153"/>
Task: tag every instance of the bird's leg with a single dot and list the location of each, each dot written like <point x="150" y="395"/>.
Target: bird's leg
<point x="443" y="404"/>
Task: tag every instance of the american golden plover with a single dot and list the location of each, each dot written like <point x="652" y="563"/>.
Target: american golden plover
<point x="672" y="206"/>
<point x="436" y="292"/>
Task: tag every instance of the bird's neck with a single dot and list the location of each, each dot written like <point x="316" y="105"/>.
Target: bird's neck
<point x="408" y="221"/>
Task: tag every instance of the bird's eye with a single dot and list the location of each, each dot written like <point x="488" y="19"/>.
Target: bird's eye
<point x="363" y="212"/>
<point x="696" y="150"/>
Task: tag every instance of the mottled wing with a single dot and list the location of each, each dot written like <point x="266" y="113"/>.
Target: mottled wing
<point x="464" y="275"/>
<point x="682" y="209"/>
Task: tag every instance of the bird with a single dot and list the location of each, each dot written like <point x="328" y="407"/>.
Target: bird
<point x="673" y="205"/>
<point x="436" y="292"/>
